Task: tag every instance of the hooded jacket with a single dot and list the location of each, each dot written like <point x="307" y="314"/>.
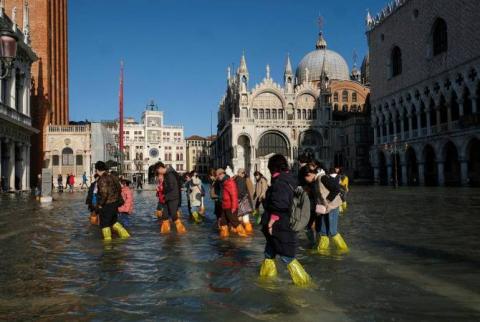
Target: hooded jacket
<point x="229" y="195"/>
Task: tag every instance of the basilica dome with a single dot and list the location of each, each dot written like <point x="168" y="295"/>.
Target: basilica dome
<point x="322" y="59"/>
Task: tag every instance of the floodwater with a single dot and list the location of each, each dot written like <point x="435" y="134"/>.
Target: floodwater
<point x="415" y="255"/>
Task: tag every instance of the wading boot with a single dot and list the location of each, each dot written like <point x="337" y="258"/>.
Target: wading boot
<point x="122" y="232"/>
<point x="196" y="217"/>
<point x="180" y="227"/>
<point x="240" y="231"/>
<point x="340" y="243"/>
<point x="298" y="274"/>
<point x="107" y="234"/>
<point x="268" y="268"/>
<point x="323" y="245"/>
<point x="159" y="214"/>
<point x="165" y="227"/>
<point x="224" y="231"/>
<point x="248" y="228"/>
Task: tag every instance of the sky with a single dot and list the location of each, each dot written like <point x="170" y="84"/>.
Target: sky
<point x="176" y="52"/>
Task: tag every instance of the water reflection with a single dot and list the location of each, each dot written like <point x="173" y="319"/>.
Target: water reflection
<point x="414" y="256"/>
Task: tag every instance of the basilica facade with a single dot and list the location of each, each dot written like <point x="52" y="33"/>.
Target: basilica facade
<point x="310" y="112"/>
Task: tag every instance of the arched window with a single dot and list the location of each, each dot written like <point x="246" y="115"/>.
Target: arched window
<point x="304" y="114"/>
<point x="55" y="160"/>
<point x="335" y="97"/>
<point x="267" y="114"/>
<point x="396" y="61"/>
<point x="272" y="143"/>
<point x="440" y="37"/>
<point x="79" y="159"/>
<point x="299" y="114"/>
<point x="255" y="113"/>
<point x="354" y="97"/>
<point x="67" y="156"/>
<point x="274" y="114"/>
<point x="280" y="114"/>
<point x="309" y="114"/>
<point x="345" y="108"/>
<point x="261" y="115"/>
<point x="335" y="107"/>
<point x="344" y="96"/>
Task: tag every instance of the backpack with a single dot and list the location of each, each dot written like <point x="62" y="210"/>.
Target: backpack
<point x="299" y="210"/>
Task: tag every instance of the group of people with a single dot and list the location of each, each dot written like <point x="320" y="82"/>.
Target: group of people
<point x="312" y="198"/>
<point x="70" y="182"/>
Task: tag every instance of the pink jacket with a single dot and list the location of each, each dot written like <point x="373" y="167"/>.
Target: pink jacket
<point x="127" y="196"/>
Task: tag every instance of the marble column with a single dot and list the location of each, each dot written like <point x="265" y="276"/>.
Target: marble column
<point x="27" y="166"/>
<point x="395" y="128"/>
<point x="11" y="165"/>
<point x="474" y="103"/>
<point x="419" y="124"/>
<point x="421" y="173"/>
<point x="402" y="129"/>
<point x="441" y="174"/>
<point x="381" y="133"/>
<point x="375" y="135"/>
<point x="429" y="128"/>
<point x="404" y="175"/>
<point x="388" y="132"/>
<point x="376" y="175"/>
<point x="437" y="115"/>
<point x="449" y="116"/>
<point x="24" y="168"/>
<point x="390" y="179"/>
<point x="464" y="172"/>
<point x="410" y="126"/>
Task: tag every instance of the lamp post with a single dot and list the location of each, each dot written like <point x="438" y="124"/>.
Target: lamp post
<point x="393" y="149"/>
<point x="8" y="51"/>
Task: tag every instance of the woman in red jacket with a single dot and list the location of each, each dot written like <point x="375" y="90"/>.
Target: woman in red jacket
<point x="229" y="197"/>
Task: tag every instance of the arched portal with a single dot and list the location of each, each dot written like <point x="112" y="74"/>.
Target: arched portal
<point x="430" y="166"/>
<point x="311" y="141"/>
<point x="473" y="154"/>
<point x="272" y="142"/>
<point x="451" y="166"/>
<point x="243" y="152"/>
<point x="382" y="169"/>
<point x="412" y="167"/>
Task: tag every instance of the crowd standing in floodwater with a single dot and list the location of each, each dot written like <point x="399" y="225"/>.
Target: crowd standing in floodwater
<point x="309" y="201"/>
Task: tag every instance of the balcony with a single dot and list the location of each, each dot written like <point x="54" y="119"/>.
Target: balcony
<point x="14" y="115"/>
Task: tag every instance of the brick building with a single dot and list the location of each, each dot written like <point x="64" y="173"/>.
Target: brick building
<point x="47" y="34"/>
<point x="424" y="70"/>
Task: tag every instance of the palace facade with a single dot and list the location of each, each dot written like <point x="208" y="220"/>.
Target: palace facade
<point x="424" y="69"/>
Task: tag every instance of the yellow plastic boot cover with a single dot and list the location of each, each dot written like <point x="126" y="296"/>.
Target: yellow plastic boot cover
<point x="340" y="243"/>
<point x="122" y="232"/>
<point x="180" y="227"/>
<point x="107" y="233"/>
<point x="298" y="274"/>
<point x="323" y="244"/>
<point x="268" y="268"/>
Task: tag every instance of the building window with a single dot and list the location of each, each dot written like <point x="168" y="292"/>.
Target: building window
<point x="261" y="114"/>
<point x="345" y="96"/>
<point x="67" y="156"/>
<point x="299" y="114"/>
<point x="79" y="159"/>
<point x="309" y="114"/>
<point x="267" y="114"/>
<point x="55" y="160"/>
<point x="440" y="37"/>
<point x="274" y="114"/>
<point x="396" y="61"/>
<point x="354" y="97"/>
<point x="335" y="97"/>
<point x="304" y="114"/>
<point x="345" y="108"/>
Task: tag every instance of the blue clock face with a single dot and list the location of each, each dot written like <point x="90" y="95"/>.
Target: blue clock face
<point x="154" y="153"/>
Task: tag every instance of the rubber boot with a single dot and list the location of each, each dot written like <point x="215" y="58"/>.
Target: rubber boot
<point x="196" y="217"/>
<point x="180" y="227"/>
<point x="122" y="232"/>
<point x="323" y="245"/>
<point x="298" y="274"/>
<point x="107" y="234"/>
<point x="248" y="228"/>
<point x="158" y="213"/>
<point x="268" y="268"/>
<point x="240" y="231"/>
<point x="165" y="228"/>
<point x="340" y="243"/>
<point x="224" y="231"/>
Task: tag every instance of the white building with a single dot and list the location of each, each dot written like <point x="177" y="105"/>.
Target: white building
<point x="150" y="141"/>
<point x="15" y="113"/>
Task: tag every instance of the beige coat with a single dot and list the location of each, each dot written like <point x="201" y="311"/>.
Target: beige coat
<point x="322" y="193"/>
<point x="261" y="189"/>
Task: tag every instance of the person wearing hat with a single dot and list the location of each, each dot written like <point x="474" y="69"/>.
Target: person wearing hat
<point x="109" y="198"/>
<point x="229" y="205"/>
<point x="245" y="204"/>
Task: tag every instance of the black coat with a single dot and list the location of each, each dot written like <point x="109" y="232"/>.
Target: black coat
<point x="171" y="185"/>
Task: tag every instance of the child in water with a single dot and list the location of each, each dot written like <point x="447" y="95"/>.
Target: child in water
<point x="126" y="210"/>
